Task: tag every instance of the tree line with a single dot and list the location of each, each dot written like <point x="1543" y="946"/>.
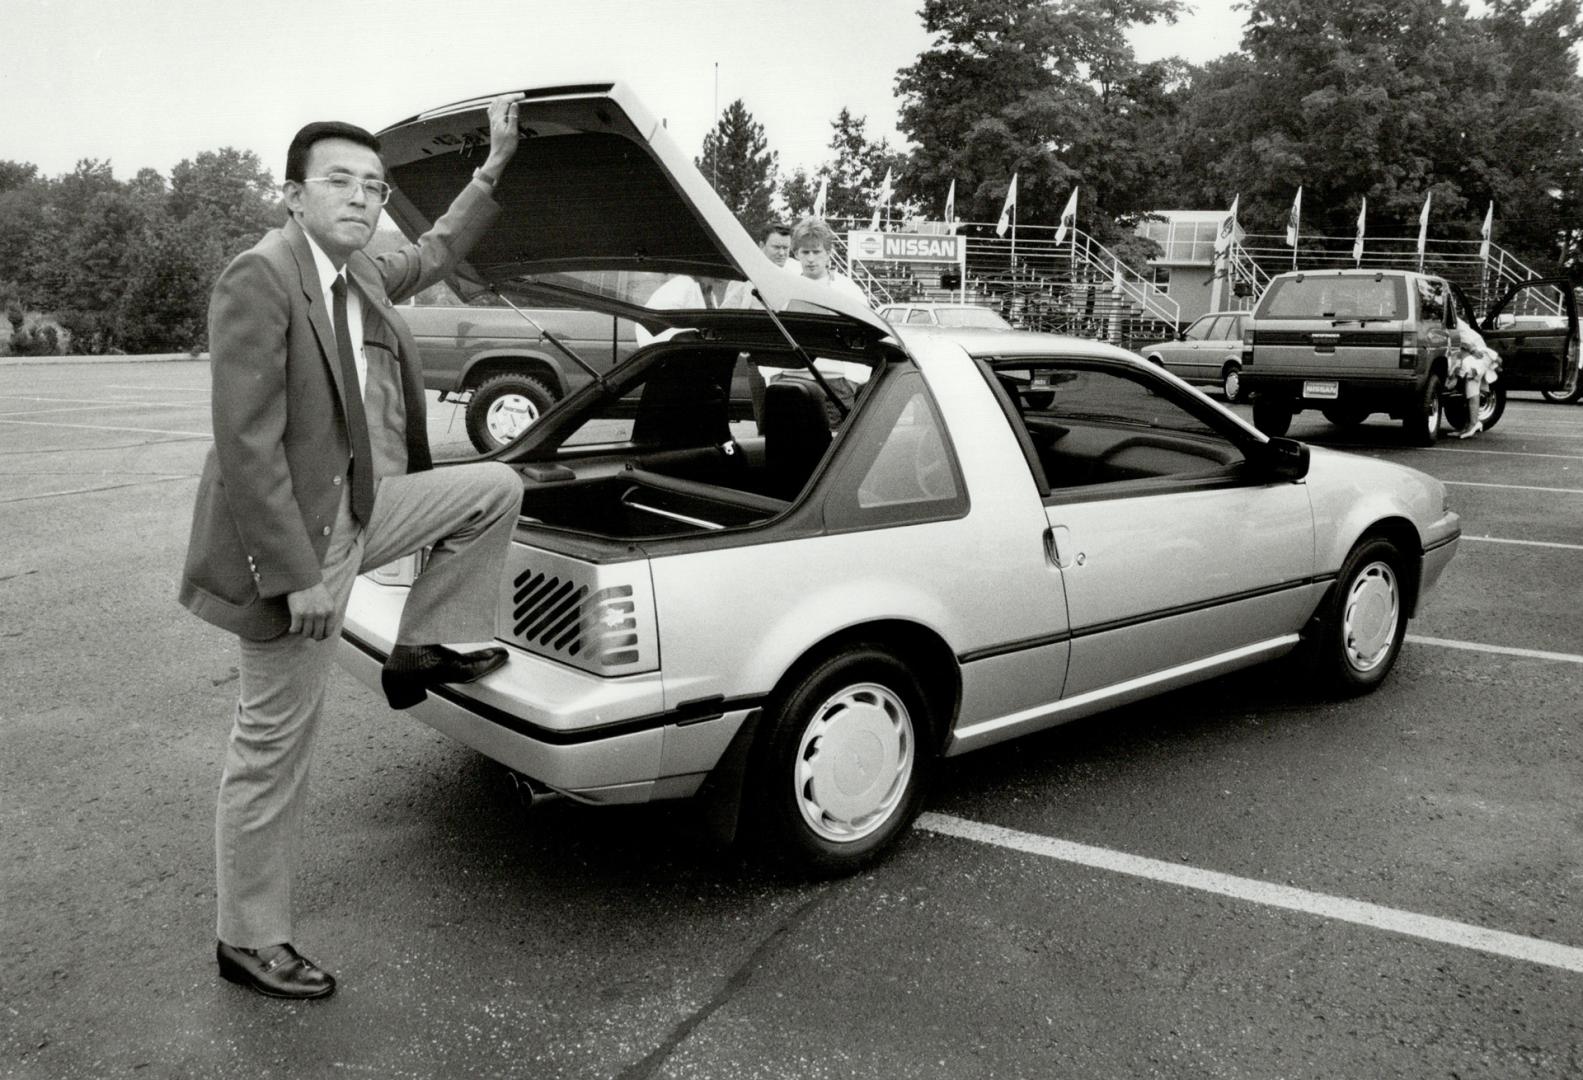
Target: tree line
<point x="1391" y="100"/>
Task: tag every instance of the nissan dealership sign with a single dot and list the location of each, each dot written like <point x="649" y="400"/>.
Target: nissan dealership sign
<point x="903" y="247"/>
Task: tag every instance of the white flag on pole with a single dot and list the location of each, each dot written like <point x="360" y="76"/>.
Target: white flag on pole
<point x="1294" y="218"/>
<point x="1357" y="245"/>
<point x="1423" y="227"/>
<point x="1007" y="208"/>
<point x="819" y="199"/>
<point x="880" y="201"/>
<point x="1489" y="222"/>
<point x="950" y="205"/>
<point x="1228" y="227"/>
<point x="1068" y="217"/>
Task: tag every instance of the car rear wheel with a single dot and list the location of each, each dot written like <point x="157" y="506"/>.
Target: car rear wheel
<point x="1423" y="423"/>
<point x="1273" y="416"/>
<point x="1492" y="405"/>
<point x="1357" y="634"/>
<point x="841" y="766"/>
<point x="503" y="407"/>
<point x="1564" y="395"/>
<point x="1231" y="382"/>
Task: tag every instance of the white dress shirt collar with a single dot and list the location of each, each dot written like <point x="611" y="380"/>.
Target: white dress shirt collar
<point x="354" y="308"/>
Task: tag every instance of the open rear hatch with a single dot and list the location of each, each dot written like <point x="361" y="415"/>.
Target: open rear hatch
<point x="598" y="209"/>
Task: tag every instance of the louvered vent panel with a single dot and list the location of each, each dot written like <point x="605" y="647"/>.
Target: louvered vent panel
<point x="598" y="618"/>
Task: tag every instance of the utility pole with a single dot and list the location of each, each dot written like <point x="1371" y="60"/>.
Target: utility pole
<point x="715" y="157"/>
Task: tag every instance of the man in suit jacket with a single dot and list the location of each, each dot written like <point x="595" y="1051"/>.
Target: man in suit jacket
<point x="320" y="469"/>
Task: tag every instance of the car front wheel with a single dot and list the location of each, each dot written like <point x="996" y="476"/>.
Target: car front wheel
<point x="1357" y="634"/>
<point x="842" y="763"/>
<point x="503" y="407"/>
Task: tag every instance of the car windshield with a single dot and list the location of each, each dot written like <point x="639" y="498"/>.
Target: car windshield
<point x="971" y="316"/>
<point x="1324" y="297"/>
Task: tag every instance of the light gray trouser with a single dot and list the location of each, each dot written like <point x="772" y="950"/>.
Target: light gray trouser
<point x="467" y="512"/>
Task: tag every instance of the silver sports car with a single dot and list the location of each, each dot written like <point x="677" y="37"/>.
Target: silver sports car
<point x="787" y="559"/>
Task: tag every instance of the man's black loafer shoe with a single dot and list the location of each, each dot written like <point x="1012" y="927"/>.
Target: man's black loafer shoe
<point x="412" y="669"/>
<point x="277" y="971"/>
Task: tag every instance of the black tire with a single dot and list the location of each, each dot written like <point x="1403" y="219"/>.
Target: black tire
<point x="1231" y="382"/>
<point x="1567" y="394"/>
<point x="1491" y="407"/>
<point x="841" y="765"/>
<point x="503" y="406"/>
<point x="1273" y="416"/>
<point x="1357" y="633"/>
<point x="1422" y="425"/>
<point x="1345" y="416"/>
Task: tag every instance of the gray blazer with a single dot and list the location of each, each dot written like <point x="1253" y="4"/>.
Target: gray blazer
<point x="272" y="481"/>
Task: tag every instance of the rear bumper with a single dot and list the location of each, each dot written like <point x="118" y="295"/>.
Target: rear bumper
<point x="594" y="739"/>
<point x="1383" y="390"/>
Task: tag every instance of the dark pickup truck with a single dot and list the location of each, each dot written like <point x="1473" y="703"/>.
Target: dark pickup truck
<point x="502" y="368"/>
<point x="1354" y="342"/>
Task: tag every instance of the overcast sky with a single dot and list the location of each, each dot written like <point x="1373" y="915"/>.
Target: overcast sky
<point x="150" y="82"/>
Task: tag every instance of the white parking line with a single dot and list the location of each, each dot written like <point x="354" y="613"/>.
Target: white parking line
<point x="1428" y="927"/>
<point x="107" y="406"/>
<point x="1525" y="543"/>
<point x="1512" y="487"/>
<point x="1501" y="453"/>
<point x="106" y="401"/>
<point x="1502" y="650"/>
<point x="104" y="427"/>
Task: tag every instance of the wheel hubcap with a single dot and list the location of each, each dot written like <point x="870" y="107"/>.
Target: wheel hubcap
<point x="1233" y="385"/>
<point x="854" y="762"/>
<point x="1372" y="612"/>
<point x="508" y="416"/>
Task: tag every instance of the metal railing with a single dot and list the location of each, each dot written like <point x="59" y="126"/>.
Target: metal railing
<point x="1483" y="280"/>
<point x="1078" y="286"/>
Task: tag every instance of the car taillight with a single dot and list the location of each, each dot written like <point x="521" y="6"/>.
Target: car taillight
<point x="1409" y="357"/>
<point x="1247" y="345"/>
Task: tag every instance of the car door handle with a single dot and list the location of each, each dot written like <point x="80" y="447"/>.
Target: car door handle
<point x="1059" y="549"/>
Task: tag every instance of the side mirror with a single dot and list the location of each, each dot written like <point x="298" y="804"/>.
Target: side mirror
<point x="1284" y="459"/>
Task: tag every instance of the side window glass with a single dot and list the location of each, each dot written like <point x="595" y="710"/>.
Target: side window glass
<point x="901" y="467"/>
<point x="1091" y="427"/>
<point x="1200" y="330"/>
<point x="918" y="316"/>
<point x="912" y="465"/>
<point x="1432" y="300"/>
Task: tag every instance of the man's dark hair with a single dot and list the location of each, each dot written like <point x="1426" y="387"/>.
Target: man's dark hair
<point x="772" y="228"/>
<point x="302" y="142"/>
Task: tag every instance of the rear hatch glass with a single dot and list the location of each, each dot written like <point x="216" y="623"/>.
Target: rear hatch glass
<point x="1335" y="298"/>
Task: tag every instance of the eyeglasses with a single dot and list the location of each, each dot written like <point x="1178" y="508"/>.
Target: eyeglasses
<point x="344" y="184"/>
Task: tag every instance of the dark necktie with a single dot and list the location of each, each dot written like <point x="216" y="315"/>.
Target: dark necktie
<point x="362" y="470"/>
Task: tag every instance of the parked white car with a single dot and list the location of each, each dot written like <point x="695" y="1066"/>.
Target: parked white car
<point x="941" y="314"/>
<point x="797" y="607"/>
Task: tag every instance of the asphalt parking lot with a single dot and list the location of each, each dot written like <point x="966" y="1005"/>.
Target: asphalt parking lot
<point x="1235" y="880"/>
